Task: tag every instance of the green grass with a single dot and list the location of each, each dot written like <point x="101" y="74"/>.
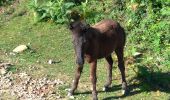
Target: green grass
<point x="50" y="41"/>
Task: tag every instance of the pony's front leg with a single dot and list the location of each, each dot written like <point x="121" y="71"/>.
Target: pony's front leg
<point x="93" y="66"/>
<point x="76" y="80"/>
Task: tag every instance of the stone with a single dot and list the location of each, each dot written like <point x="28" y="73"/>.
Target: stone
<point x="2" y="71"/>
<point x="20" y="48"/>
<point x="137" y="54"/>
<point x="50" y="61"/>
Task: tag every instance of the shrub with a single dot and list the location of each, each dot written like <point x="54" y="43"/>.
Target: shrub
<point x="5" y="2"/>
<point x="54" y="10"/>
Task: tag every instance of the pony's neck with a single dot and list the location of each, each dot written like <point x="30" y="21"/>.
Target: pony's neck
<point x="91" y="33"/>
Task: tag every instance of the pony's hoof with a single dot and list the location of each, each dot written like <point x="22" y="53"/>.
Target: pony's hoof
<point x="70" y="95"/>
<point x="94" y="95"/>
<point x="124" y="88"/>
<point x="105" y="88"/>
<point x="95" y="98"/>
<point x="124" y="92"/>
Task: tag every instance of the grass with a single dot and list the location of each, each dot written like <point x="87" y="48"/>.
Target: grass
<point x="50" y="41"/>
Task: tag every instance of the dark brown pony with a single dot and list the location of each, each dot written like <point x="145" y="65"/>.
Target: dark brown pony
<point x="95" y="42"/>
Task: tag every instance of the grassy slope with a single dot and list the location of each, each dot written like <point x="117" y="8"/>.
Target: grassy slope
<point x="50" y="41"/>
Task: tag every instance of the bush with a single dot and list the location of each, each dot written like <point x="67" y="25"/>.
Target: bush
<point x="5" y="2"/>
<point x="151" y="32"/>
<point x="53" y="10"/>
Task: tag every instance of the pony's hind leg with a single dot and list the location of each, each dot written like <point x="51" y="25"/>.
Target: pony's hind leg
<point x="76" y="80"/>
<point x="109" y="71"/>
<point x="119" y="53"/>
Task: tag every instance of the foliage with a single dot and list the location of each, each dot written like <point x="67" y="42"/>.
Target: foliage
<point x="51" y="10"/>
<point x="5" y="2"/>
<point x="151" y="32"/>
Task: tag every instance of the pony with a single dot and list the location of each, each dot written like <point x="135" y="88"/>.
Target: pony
<point x="96" y="42"/>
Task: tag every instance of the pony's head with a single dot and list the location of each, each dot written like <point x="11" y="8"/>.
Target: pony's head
<point x="79" y="30"/>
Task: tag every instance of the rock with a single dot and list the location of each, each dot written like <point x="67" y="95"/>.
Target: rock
<point x="38" y="61"/>
<point x="50" y="61"/>
<point x="5" y="65"/>
<point x="58" y="82"/>
<point x="12" y="53"/>
<point x="20" y="48"/>
<point x="58" y="97"/>
<point x="2" y="71"/>
<point x="137" y="54"/>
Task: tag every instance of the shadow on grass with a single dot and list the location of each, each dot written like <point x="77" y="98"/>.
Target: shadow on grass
<point x="146" y="81"/>
<point x="112" y="89"/>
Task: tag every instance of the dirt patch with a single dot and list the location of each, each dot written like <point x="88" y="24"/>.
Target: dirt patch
<point x="24" y="87"/>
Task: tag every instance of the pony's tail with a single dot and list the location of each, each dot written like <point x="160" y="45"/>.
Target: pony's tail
<point x="122" y="31"/>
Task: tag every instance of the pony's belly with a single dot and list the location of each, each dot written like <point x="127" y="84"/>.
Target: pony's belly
<point x="105" y="50"/>
<point x="91" y="58"/>
<point x="100" y="51"/>
<point x="104" y="54"/>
